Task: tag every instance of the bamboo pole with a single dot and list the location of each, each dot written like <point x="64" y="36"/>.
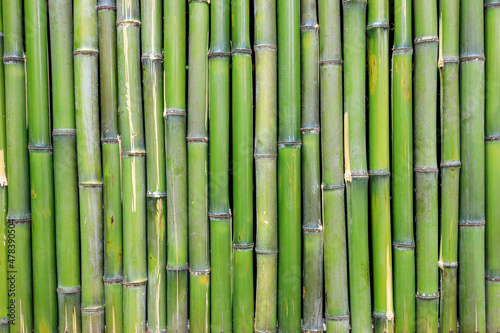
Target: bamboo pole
<point x="356" y="175"/>
<point x="472" y="213"/>
<point x="113" y="227"/>
<point x="219" y="213"/>
<point x="152" y="78"/>
<point x="175" y="137"/>
<point x="265" y="154"/>
<point x="312" y="228"/>
<point x="289" y="168"/>
<point x="89" y="163"/>
<point x="492" y="147"/>
<point x="402" y="170"/>
<point x="450" y="161"/>
<point x="65" y="167"/>
<point x="425" y="166"/>
<point x="332" y="164"/>
<point x="197" y="157"/>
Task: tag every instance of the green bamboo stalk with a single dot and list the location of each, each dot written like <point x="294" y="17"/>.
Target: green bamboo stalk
<point x="152" y="76"/>
<point x="425" y="166"/>
<point x="89" y="163"/>
<point x="113" y="227"/>
<point x="175" y="137"/>
<point x="197" y="157"/>
<point x="356" y="175"/>
<point x="333" y="188"/>
<point x="492" y="147"/>
<point x="41" y="168"/>
<point x="65" y="166"/>
<point x="312" y="228"/>
<point x="242" y="135"/>
<point x="289" y="168"/>
<point x="379" y="164"/>
<point x="19" y="213"/>
<point x="266" y="112"/>
<point x="450" y="161"/>
<point x="402" y="170"/>
<point x="471" y="283"/>
<point x="135" y="272"/>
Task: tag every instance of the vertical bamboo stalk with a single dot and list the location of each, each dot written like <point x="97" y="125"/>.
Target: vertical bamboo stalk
<point x="197" y="157"/>
<point x="402" y="170"/>
<point x="175" y="137"/>
<point x="266" y="112"/>
<point x="472" y="186"/>
<point x="425" y="166"/>
<point x="89" y="163"/>
<point x="356" y="175"/>
<point x="65" y="166"/>
<point x="450" y="161"/>
<point x="113" y="227"/>
<point x="333" y="188"/>
<point x="492" y="147"/>
<point x="312" y="228"/>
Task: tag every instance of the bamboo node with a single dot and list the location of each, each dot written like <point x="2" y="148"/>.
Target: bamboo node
<point x="312" y="330"/>
<point x="332" y="187"/>
<point x="472" y="58"/>
<point x="427" y="296"/>
<point x="188" y="140"/>
<point x="106" y="8"/>
<point x="64" y="132"/>
<point x="207" y="1"/>
<point x="266" y="252"/>
<point x="173" y="112"/>
<point x="450" y="60"/>
<point x="402" y="50"/>
<point x="90" y="185"/>
<point x="148" y="330"/>
<point x="312" y="230"/>
<point x="257" y="156"/>
<point x="128" y="23"/>
<point x="156" y="194"/>
<point x="118" y="280"/>
<point x="309" y="27"/>
<point x="492" y="5"/>
<point x="450" y="264"/>
<point x="135" y="284"/>
<point x="18" y="220"/>
<point x="92" y="53"/>
<point x="97" y="309"/>
<point x="331" y="62"/>
<point x="152" y="56"/>
<point x="472" y="224"/>
<point x="199" y="271"/>
<point x="183" y="268"/>
<point x="426" y="169"/>
<point x="426" y="39"/>
<point x="13" y="60"/>
<point x="491" y="138"/>
<point x="379" y="173"/>
<point x="269" y="47"/>
<point x="110" y="141"/>
<point x="296" y="145"/>
<point x="337" y="318"/>
<point x="359" y="174"/>
<point x="219" y="216"/>
<point x="42" y="149"/>
<point x="450" y="164"/>
<point x="492" y="278"/>
<point x="4" y="320"/>
<point x="403" y="246"/>
<point x="70" y="290"/>
<point x="242" y="51"/>
<point x="219" y="54"/>
<point x="311" y="130"/>
<point x="384" y="316"/>
<point x="378" y="25"/>
<point x="243" y="247"/>
<point x="133" y="153"/>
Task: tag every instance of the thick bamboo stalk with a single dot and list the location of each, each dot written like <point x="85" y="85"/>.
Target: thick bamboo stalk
<point x="472" y="186"/>
<point x="197" y="157"/>
<point x="356" y="175"/>
<point x="289" y="168"/>
<point x="332" y="164"/>
<point x="65" y="166"/>
<point x="113" y="227"/>
<point x="492" y="148"/>
<point x="89" y="163"/>
<point x="425" y="166"/>
<point x="450" y="161"/>
<point x="175" y="138"/>
<point x="312" y="228"/>
<point x="266" y="116"/>
<point x="152" y="78"/>
<point x="242" y="136"/>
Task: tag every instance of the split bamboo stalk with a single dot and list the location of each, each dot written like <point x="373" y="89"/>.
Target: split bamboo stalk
<point x="219" y="213"/>
<point x="425" y="166"/>
<point x="65" y="166"/>
<point x="89" y="163"/>
<point x="175" y="138"/>
<point x="471" y="283"/>
<point x="289" y="168"/>
<point x="332" y="164"/>
<point x="450" y="161"/>
<point x="402" y="170"/>
<point x="152" y="78"/>
<point x="492" y="147"/>
<point x="265" y="154"/>
<point x="197" y="157"/>
<point x="312" y="228"/>
<point x="113" y="226"/>
<point x="356" y="175"/>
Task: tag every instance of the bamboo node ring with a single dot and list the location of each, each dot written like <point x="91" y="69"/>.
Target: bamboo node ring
<point x="106" y="8"/>
<point x="450" y="164"/>
<point x="128" y="23"/>
<point x="190" y="140"/>
<point x="42" y="149"/>
<point x="492" y="5"/>
<point x="135" y="284"/>
<point x="491" y="138"/>
<point x="257" y="156"/>
<point x="379" y="25"/>
<point x="331" y="62"/>
<point x="427" y="296"/>
<point x="152" y="194"/>
<point x="243" y="247"/>
<point x="70" y="290"/>
<point x="311" y="130"/>
<point x="90" y="185"/>
<point x="173" y="112"/>
<point x="153" y="56"/>
<point x="118" y="280"/>
<point x="199" y="271"/>
<point x="269" y="47"/>
<point x="402" y="50"/>
<point x="110" y="141"/>
<point x="403" y="246"/>
<point x="18" y="220"/>
<point x="242" y="51"/>
<point x="312" y="230"/>
<point x="219" y="216"/>
<point x="82" y="52"/>
<point x="177" y="269"/>
<point x="332" y="187"/>
<point x="426" y="39"/>
<point x="472" y="224"/>
<point x="13" y="59"/>
<point x="64" y="132"/>
<point x="289" y="144"/>
<point x="492" y="278"/>
<point x="337" y="318"/>
<point x="472" y="58"/>
<point x="266" y="252"/>
<point x="94" y="310"/>
<point x="309" y="27"/>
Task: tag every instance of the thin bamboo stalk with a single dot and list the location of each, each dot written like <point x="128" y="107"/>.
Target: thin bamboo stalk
<point x="312" y="228"/>
<point x="425" y="166"/>
<point x="113" y="227"/>
<point x="356" y="175"/>
<point x="266" y="112"/>
<point x="332" y="164"/>
<point x="242" y="136"/>
<point x="492" y="148"/>
<point x="89" y="163"/>
<point x="402" y="170"/>
<point x="65" y="166"/>
<point x="175" y="137"/>
<point x="472" y="186"/>
<point x="450" y="161"/>
<point x="197" y="157"/>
